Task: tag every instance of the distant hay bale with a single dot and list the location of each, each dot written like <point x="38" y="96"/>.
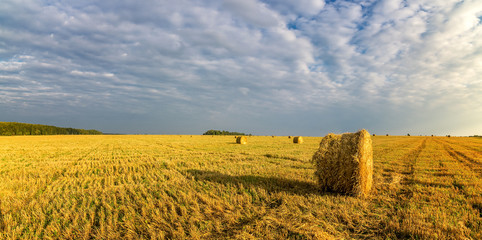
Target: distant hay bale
<point x="242" y="140"/>
<point x="374" y="135"/>
<point x="344" y="163"/>
<point x="289" y="137"/>
<point x="298" y="140"/>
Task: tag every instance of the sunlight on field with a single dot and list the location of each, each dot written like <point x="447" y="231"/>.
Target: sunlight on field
<point x="204" y="187"/>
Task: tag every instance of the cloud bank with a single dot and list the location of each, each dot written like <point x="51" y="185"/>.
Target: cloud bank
<point x="266" y="67"/>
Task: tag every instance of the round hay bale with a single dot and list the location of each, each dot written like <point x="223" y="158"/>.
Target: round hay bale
<point x="298" y="139"/>
<point x="242" y="140"/>
<point x="344" y="163"/>
<point x="289" y="137"/>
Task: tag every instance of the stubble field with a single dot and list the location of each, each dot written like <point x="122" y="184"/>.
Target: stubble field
<point x="203" y="187"/>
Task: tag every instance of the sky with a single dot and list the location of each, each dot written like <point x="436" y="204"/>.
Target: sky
<point x="266" y="67"/>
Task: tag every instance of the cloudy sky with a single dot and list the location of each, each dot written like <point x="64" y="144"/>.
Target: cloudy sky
<point x="283" y="67"/>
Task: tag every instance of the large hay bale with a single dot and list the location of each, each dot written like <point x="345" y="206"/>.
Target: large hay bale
<point x="298" y="140"/>
<point x="344" y="163"/>
<point x="242" y="140"/>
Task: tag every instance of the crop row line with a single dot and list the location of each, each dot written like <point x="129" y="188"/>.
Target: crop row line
<point x="469" y="162"/>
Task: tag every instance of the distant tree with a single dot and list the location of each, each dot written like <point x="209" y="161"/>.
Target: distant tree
<point x="219" y="132"/>
<point x="14" y="128"/>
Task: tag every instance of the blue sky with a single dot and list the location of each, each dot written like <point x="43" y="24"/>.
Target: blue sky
<point x="280" y="67"/>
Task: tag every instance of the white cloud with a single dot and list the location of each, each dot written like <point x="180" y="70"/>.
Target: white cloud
<point x="304" y="8"/>
<point x="10" y="65"/>
<point x="91" y="74"/>
<point x="190" y="56"/>
<point x="244" y="90"/>
<point x="253" y="12"/>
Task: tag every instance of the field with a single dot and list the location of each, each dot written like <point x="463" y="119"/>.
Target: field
<point x="204" y="187"/>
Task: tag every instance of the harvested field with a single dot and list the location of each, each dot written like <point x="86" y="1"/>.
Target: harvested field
<point x="204" y="187"/>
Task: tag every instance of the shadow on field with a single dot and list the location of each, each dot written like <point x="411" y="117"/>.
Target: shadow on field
<point x="2" y="224"/>
<point x="271" y="184"/>
<point x="281" y="157"/>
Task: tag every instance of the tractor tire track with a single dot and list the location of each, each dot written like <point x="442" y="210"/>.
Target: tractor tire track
<point x="405" y="189"/>
<point x="389" y="149"/>
<point x="474" y="200"/>
<point x="467" y="161"/>
<point x="405" y="193"/>
<point x="465" y="146"/>
<point x="411" y="158"/>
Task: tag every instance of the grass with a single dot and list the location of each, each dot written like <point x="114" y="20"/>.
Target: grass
<point x="203" y="187"/>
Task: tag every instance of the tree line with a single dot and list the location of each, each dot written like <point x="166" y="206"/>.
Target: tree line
<point x="14" y="128"/>
<point x="219" y="132"/>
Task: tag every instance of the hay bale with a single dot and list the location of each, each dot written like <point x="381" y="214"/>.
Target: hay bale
<point x="289" y="137"/>
<point x="344" y="163"/>
<point x="298" y="140"/>
<point x="242" y="140"/>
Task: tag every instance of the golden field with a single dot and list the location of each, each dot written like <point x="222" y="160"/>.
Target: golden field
<point x="204" y="187"/>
